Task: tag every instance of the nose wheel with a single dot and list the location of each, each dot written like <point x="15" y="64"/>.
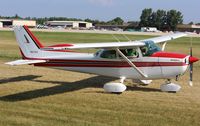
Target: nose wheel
<point x="170" y="87"/>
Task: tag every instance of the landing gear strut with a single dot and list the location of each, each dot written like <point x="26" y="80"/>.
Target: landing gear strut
<point x="170" y="87"/>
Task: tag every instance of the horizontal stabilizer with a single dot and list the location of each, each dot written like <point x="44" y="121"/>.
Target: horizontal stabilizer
<point x="23" y="62"/>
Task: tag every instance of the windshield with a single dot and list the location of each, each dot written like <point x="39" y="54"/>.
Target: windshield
<point x="149" y="48"/>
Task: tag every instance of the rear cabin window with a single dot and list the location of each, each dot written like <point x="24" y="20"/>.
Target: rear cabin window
<point x="109" y="54"/>
<point x="112" y="54"/>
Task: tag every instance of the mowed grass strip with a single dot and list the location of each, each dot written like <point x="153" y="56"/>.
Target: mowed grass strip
<point x="41" y="96"/>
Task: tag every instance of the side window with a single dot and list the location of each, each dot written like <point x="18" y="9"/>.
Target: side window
<point x="109" y="54"/>
<point x="144" y="51"/>
<point x="130" y="53"/>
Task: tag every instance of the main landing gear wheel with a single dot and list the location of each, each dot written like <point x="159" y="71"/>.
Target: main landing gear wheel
<point x="170" y="87"/>
<point x="116" y="88"/>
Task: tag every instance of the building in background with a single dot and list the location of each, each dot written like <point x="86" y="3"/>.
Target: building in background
<point x="126" y="26"/>
<point x="16" y="22"/>
<point x="1" y="24"/>
<point x="189" y="28"/>
<point x="149" y="29"/>
<point x="70" y="24"/>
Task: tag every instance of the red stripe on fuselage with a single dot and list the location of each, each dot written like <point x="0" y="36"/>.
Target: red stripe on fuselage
<point x="60" y="51"/>
<point x="61" y="45"/>
<point x="116" y="64"/>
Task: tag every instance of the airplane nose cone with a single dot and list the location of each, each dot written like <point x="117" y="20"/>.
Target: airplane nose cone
<point x="193" y="59"/>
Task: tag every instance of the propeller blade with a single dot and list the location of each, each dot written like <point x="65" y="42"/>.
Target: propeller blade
<point x="191" y="69"/>
<point x="191" y="75"/>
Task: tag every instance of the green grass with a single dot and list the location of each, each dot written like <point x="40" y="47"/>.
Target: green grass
<point x="40" y="96"/>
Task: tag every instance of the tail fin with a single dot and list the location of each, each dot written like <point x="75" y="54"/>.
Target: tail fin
<point x="28" y="43"/>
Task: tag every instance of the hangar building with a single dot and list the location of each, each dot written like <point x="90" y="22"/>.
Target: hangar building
<point x="15" y="22"/>
<point x="1" y="24"/>
<point x="70" y="24"/>
<point x="189" y="28"/>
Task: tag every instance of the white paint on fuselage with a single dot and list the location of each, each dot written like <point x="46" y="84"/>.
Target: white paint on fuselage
<point x="130" y="73"/>
<point x="154" y="72"/>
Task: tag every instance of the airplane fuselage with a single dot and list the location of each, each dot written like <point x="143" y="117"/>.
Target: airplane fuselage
<point x="156" y="66"/>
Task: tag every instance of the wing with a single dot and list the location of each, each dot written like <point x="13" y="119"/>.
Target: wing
<point x="99" y="45"/>
<point x="23" y="62"/>
<point x="166" y="38"/>
<point x="112" y="45"/>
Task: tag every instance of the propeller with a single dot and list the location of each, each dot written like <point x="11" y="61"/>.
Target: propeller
<point x="191" y="61"/>
<point x="191" y="68"/>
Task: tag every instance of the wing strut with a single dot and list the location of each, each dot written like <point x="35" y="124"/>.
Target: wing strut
<point x="163" y="46"/>
<point x="131" y="64"/>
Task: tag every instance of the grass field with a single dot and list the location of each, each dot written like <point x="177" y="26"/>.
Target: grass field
<point x="40" y="96"/>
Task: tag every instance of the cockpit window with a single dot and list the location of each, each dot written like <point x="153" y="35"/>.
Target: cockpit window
<point x="112" y="54"/>
<point x="109" y="54"/>
<point x="149" y="48"/>
<point x="130" y="52"/>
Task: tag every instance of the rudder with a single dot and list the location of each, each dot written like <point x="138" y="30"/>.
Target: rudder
<point x="28" y="43"/>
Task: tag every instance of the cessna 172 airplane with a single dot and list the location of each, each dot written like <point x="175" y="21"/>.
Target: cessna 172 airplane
<point x="140" y="60"/>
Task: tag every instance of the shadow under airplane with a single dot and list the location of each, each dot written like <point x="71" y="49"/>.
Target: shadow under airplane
<point x="17" y="79"/>
<point x="95" y="82"/>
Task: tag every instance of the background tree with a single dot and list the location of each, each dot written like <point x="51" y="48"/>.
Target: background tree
<point x="116" y="21"/>
<point x="17" y="16"/>
<point x="173" y="19"/>
<point x="161" y="19"/>
<point x="145" y="17"/>
<point x="152" y="19"/>
<point x="191" y="23"/>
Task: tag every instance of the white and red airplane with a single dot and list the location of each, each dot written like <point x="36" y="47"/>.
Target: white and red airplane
<point x="140" y="60"/>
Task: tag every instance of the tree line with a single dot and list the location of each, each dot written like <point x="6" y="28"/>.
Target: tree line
<point x="161" y="19"/>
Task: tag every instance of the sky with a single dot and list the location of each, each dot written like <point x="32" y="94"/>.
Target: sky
<point x="129" y="10"/>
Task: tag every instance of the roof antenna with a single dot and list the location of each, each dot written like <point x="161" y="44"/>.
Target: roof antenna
<point x="115" y="37"/>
